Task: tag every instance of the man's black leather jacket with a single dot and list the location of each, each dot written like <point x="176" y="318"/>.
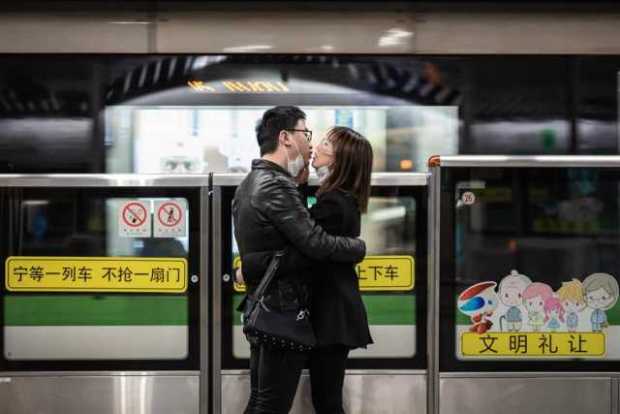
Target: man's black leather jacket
<point x="270" y="214"/>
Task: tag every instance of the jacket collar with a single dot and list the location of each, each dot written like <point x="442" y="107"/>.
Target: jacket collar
<point x="261" y="164"/>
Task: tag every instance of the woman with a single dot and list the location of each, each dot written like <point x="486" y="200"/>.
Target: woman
<point x="343" y="161"/>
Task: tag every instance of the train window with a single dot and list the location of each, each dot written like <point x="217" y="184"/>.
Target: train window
<point x="535" y="265"/>
<point x="200" y="139"/>
<point x="597" y="105"/>
<point x="79" y="292"/>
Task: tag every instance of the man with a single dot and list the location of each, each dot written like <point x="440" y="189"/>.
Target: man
<point x="270" y="215"/>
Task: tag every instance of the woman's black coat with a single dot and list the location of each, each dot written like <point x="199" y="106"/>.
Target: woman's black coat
<point x="337" y="312"/>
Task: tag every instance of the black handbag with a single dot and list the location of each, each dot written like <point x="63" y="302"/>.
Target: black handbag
<point x="285" y="329"/>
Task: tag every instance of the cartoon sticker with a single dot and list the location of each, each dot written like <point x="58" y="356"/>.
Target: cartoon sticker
<point x="478" y="302"/>
<point x="511" y="290"/>
<point x="601" y="293"/>
<point x="519" y="318"/>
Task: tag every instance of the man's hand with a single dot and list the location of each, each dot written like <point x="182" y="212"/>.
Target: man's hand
<point x="302" y="178"/>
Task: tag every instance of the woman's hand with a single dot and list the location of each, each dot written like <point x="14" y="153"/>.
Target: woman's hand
<point x="239" y="276"/>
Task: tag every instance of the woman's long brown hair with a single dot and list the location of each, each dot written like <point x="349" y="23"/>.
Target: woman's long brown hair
<point x="352" y="165"/>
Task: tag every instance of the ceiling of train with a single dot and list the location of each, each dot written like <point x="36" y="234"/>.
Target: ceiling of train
<point x="66" y="88"/>
<point x="498" y="87"/>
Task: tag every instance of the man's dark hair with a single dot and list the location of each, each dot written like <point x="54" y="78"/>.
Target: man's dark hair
<point x="273" y="121"/>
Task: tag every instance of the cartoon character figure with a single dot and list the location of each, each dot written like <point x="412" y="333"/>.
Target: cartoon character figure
<point x="534" y="298"/>
<point x="554" y="313"/>
<point x="572" y="297"/>
<point x="478" y="302"/>
<point x="511" y="290"/>
<point x="601" y="294"/>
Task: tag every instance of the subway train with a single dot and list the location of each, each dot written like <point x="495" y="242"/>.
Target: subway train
<point x="490" y="280"/>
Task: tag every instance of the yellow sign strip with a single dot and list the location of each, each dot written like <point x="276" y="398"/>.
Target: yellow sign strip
<point x="375" y="274"/>
<point x="238" y="86"/>
<point x="386" y="273"/>
<point x="533" y="344"/>
<point x="95" y="274"/>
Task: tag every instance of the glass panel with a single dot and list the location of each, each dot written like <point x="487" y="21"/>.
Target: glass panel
<point x="389" y="229"/>
<point x="74" y="326"/>
<point x="536" y="264"/>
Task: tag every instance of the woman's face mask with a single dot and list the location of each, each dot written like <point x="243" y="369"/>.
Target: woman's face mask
<point x="323" y="159"/>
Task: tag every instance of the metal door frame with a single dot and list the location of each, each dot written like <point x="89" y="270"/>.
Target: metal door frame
<point x="216" y="310"/>
<point x="435" y="165"/>
<point x="195" y="181"/>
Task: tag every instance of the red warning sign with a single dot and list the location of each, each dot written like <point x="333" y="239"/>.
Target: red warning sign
<point x="170" y="218"/>
<point x="134" y="214"/>
<point x="134" y="219"/>
<point x="169" y="214"/>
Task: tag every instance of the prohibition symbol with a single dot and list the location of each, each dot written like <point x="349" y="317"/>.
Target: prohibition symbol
<point x="170" y="214"/>
<point x="134" y="214"/>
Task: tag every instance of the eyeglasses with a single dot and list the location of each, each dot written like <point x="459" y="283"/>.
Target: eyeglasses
<point x="306" y="132"/>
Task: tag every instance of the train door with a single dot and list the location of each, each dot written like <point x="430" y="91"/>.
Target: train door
<point x="525" y="285"/>
<point x="103" y="304"/>
<point x="388" y="376"/>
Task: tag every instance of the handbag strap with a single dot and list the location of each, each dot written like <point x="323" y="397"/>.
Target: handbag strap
<point x="269" y="274"/>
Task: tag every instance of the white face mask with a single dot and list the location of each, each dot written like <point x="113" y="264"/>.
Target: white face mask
<point x="295" y="166"/>
<point x="323" y="172"/>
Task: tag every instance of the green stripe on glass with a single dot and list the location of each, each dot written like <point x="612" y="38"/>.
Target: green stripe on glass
<point x="391" y="309"/>
<point x="383" y="309"/>
<point x="93" y="310"/>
